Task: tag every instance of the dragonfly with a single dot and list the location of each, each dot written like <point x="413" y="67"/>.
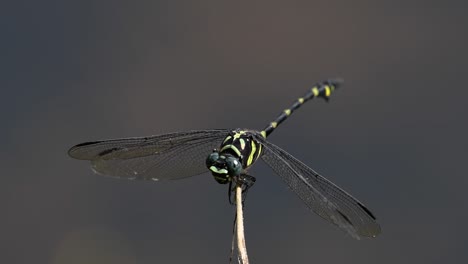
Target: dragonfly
<point x="228" y="154"/>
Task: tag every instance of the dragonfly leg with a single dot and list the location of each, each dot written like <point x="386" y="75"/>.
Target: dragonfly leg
<point x="230" y="191"/>
<point x="245" y="181"/>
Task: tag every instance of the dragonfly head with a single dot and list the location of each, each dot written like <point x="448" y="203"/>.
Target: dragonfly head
<point x="223" y="167"/>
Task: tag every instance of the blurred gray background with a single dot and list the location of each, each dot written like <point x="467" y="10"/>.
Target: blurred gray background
<point x="394" y="136"/>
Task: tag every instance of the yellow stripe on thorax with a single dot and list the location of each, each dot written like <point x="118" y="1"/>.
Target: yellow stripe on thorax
<point x="259" y="151"/>
<point x="227" y="138"/>
<point x="234" y="148"/>
<point x="242" y="143"/>
<point x="252" y="152"/>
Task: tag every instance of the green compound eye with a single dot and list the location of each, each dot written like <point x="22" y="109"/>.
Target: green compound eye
<point x="212" y="158"/>
<point x="234" y="166"/>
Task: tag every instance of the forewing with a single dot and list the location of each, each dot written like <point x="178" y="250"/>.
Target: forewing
<point x="319" y="194"/>
<point x="162" y="157"/>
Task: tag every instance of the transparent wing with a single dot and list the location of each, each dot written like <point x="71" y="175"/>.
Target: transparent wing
<point x="162" y="157"/>
<point x="319" y="194"/>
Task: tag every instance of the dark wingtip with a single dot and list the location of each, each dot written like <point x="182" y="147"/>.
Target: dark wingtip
<point x="85" y="144"/>
<point x="72" y="149"/>
<point x="367" y="211"/>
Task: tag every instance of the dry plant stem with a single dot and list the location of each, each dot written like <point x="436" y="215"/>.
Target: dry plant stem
<point x="240" y="227"/>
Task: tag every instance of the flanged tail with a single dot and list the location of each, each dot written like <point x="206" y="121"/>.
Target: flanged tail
<point x="322" y="89"/>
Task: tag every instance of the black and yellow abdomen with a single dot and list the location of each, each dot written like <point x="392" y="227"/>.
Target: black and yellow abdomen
<point x="240" y="148"/>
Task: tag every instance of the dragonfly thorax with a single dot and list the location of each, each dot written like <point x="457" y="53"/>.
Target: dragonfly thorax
<point x="223" y="166"/>
<point x="237" y="153"/>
